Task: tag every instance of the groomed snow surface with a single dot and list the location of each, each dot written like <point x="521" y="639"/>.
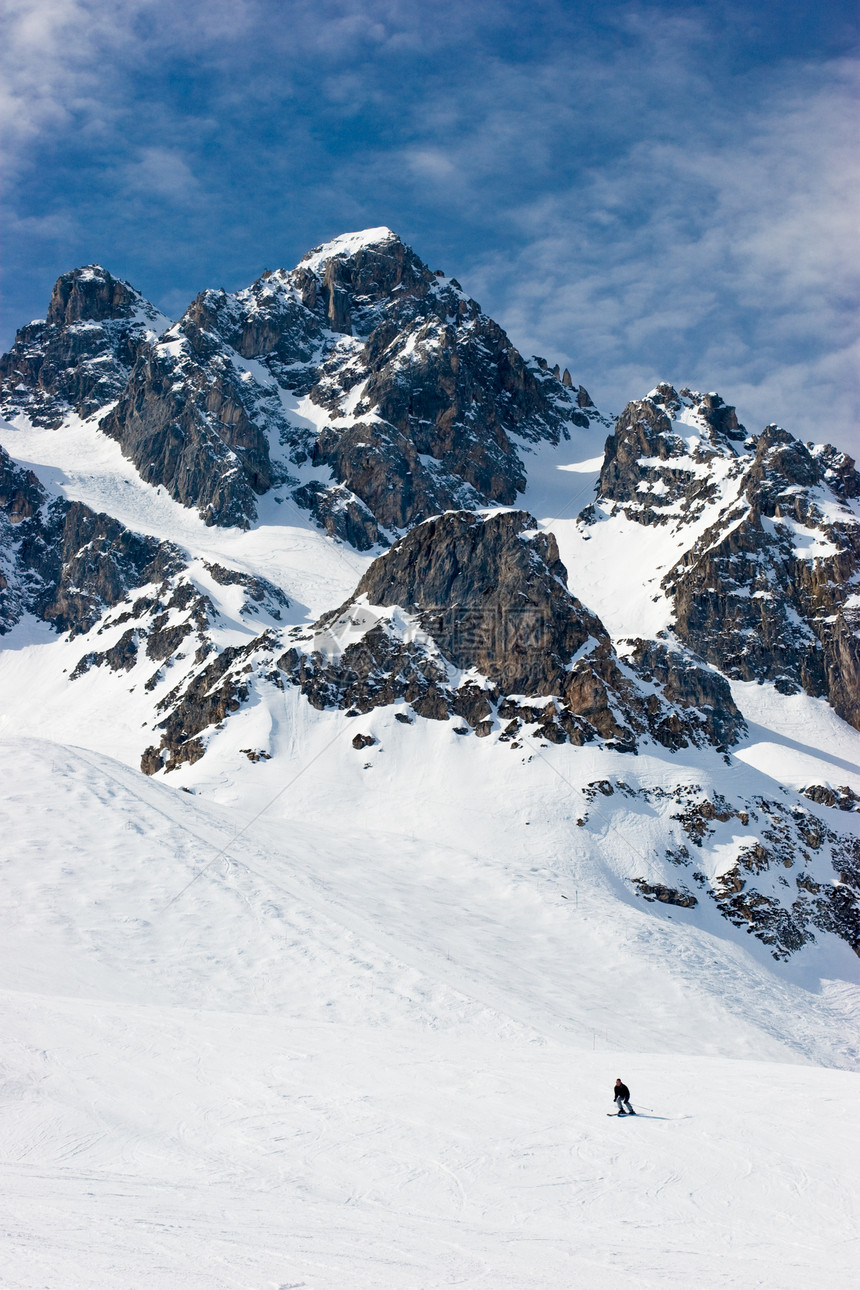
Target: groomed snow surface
<point x="370" y="1060"/>
<point x="372" y="1045"/>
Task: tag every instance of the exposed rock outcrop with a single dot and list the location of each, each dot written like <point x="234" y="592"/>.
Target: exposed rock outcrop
<point x="773" y="869"/>
<point x="841" y="799"/>
<point x="703" y="694"/>
<point x="79" y="359"/>
<point x="765" y="588"/>
<point x="472" y="617"/>
<point x="666" y="895"/>
<point x="64" y="562"/>
<point x="337" y="510"/>
<point x="200" y="702"/>
<point x="260" y="593"/>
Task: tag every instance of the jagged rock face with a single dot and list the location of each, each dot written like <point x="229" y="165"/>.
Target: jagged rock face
<point x="360" y="365"/>
<point x="63" y="562"/>
<point x="764" y="589"/>
<point x="480" y="622"/>
<point x="704" y="695"/>
<point x="658" y="474"/>
<point x="342" y="515"/>
<point x="90" y="295"/>
<point x="841" y="799"/>
<point x="766" y="593"/>
<point x="187" y="423"/>
<point x="79" y="359"/>
<point x="493" y="595"/>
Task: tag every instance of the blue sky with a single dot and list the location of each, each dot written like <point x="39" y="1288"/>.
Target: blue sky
<point x="639" y="191"/>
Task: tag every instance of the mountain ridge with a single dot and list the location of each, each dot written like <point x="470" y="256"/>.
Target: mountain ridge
<point x="333" y="520"/>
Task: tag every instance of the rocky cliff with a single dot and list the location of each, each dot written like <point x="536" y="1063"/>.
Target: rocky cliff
<point x="766" y="586"/>
<point x="481" y="625"/>
<point x="62" y="562"/>
<point x="373" y="389"/>
<point x="80" y="357"/>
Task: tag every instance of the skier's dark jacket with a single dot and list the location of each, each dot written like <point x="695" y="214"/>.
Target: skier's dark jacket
<point x="622" y="1091"/>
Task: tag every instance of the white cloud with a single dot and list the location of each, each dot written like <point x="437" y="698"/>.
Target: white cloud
<point x="53" y="68"/>
<point x="725" y="257"/>
<point x="160" y="172"/>
<point x="621" y="194"/>
<point x="65" y="63"/>
<point x="430" y="163"/>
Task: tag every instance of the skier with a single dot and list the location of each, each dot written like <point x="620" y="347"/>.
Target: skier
<point x="621" y="1094"/>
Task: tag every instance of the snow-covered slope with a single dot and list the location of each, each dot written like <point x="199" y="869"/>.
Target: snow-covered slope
<point x="382" y="1060"/>
<point x="446" y="821"/>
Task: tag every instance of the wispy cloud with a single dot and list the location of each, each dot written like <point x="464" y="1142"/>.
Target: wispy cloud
<point x="640" y="190"/>
<point x="160" y="172"/>
<point x="727" y="256"/>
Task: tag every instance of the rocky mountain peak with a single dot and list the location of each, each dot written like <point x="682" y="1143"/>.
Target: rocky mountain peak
<point x="359" y="270"/>
<point x="659" y="462"/>
<point x="781" y="472"/>
<point x="373" y="386"/>
<point x="705" y="412"/>
<point x="79" y="359"/>
<point x="347" y="245"/>
<point x="720" y="418"/>
<point x="839" y="471"/>
<point x="92" y="294"/>
<point x="770" y="545"/>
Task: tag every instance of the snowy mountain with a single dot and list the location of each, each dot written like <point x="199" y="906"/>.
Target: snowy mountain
<point x="376" y="392"/>
<point x="765" y="591"/>
<point x="343" y="649"/>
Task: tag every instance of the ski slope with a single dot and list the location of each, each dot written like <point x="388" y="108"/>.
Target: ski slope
<point x="382" y="1057"/>
<point x="351" y="1018"/>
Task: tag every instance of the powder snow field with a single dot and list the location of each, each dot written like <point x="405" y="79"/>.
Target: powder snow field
<point x="81" y="464"/>
<point x="371" y="1047"/>
<point x="346" y="1057"/>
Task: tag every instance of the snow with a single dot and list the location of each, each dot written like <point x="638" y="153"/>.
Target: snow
<point x="369" y="1059"/>
<point x="351" y="1018"/>
<point x="346" y="244"/>
<point x="82" y="464"/>
<point x="795" y="739"/>
<point x="809" y="544"/>
<point x="623" y="589"/>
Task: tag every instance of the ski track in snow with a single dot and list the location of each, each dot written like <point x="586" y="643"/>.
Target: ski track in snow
<point x="317" y="1067"/>
<point x="373" y="1045"/>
